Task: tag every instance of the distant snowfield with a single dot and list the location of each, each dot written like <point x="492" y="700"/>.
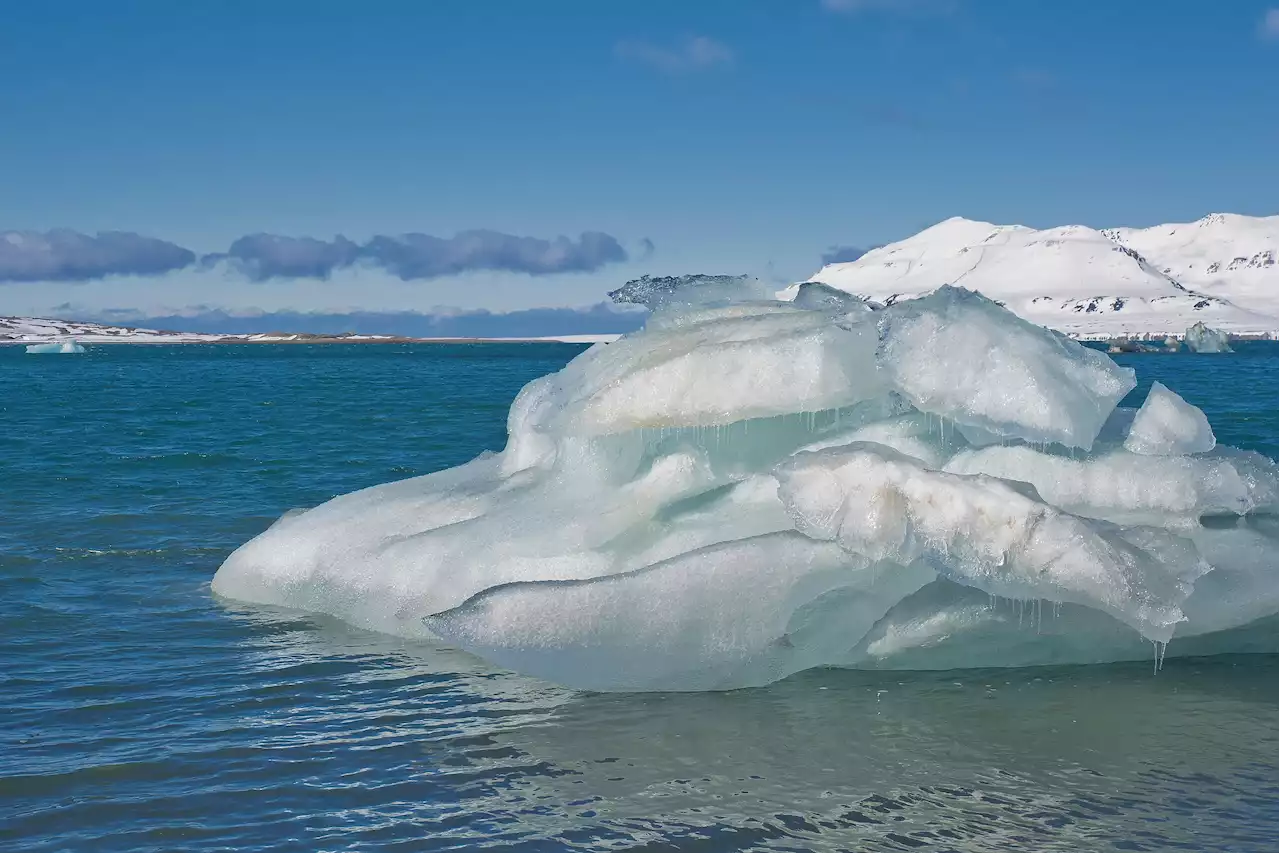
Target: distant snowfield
<point x="1220" y="270"/>
<point x="35" y="329"/>
<point x="567" y="339"/>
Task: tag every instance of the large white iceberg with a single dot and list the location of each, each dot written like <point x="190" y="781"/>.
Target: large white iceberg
<point x="747" y="488"/>
<point x="57" y="347"/>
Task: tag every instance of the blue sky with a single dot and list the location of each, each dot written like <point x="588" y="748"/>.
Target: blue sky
<point x="737" y="137"/>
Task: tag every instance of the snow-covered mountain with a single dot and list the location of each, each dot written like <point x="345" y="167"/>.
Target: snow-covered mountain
<point x="1224" y="254"/>
<point x="1153" y="281"/>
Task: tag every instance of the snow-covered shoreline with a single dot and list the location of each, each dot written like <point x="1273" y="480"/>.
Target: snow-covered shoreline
<point x="16" y="331"/>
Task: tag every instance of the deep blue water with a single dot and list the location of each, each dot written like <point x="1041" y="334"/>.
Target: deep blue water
<point x="137" y="713"/>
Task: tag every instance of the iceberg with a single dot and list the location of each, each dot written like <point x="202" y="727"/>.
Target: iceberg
<point x="1168" y="425"/>
<point x="686" y="290"/>
<point x="53" y="348"/>
<point x="1200" y="338"/>
<point x="748" y="488"/>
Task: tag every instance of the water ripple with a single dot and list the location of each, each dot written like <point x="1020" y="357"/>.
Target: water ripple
<point x="139" y="714"/>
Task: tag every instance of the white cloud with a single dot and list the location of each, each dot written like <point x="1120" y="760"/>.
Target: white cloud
<point x="854" y="7"/>
<point x="692" y="53"/>
<point x="850" y="6"/>
<point x="1271" y="24"/>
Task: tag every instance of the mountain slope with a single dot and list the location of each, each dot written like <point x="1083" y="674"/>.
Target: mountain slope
<point x="1087" y="282"/>
<point x="1223" y="254"/>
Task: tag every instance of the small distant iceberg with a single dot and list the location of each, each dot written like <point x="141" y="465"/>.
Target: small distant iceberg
<point x="1200" y="338"/>
<point x="54" y="348"/>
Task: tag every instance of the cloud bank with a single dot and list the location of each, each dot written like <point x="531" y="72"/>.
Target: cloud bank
<point x="65" y="255"/>
<point x="419" y="256"/>
<point x="69" y="256"/>
<point x="261" y="257"/>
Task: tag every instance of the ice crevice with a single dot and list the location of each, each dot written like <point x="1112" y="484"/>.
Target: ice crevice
<point x="746" y="488"/>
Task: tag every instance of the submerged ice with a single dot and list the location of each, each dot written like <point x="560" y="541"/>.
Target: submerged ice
<point x="748" y="488"/>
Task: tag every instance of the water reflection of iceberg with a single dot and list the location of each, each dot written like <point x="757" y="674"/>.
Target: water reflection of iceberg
<point x="398" y="690"/>
<point x="1046" y="759"/>
<point x="746" y="489"/>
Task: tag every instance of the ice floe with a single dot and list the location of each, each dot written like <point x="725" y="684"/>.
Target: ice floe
<point x="748" y="488"/>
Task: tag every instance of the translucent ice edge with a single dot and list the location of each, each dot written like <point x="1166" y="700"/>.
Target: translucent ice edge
<point x="746" y="488"/>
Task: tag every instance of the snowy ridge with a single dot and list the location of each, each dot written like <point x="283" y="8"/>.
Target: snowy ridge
<point x="1156" y="281"/>
<point x="38" y="330"/>
<point x="1223" y="254"/>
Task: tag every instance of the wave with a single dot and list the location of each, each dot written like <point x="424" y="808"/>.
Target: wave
<point x="745" y="489"/>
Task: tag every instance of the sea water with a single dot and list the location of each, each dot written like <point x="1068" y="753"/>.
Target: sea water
<point x="138" y="713"/>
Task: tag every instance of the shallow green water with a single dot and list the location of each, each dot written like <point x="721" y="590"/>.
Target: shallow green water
<point x="141" y="714"/>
